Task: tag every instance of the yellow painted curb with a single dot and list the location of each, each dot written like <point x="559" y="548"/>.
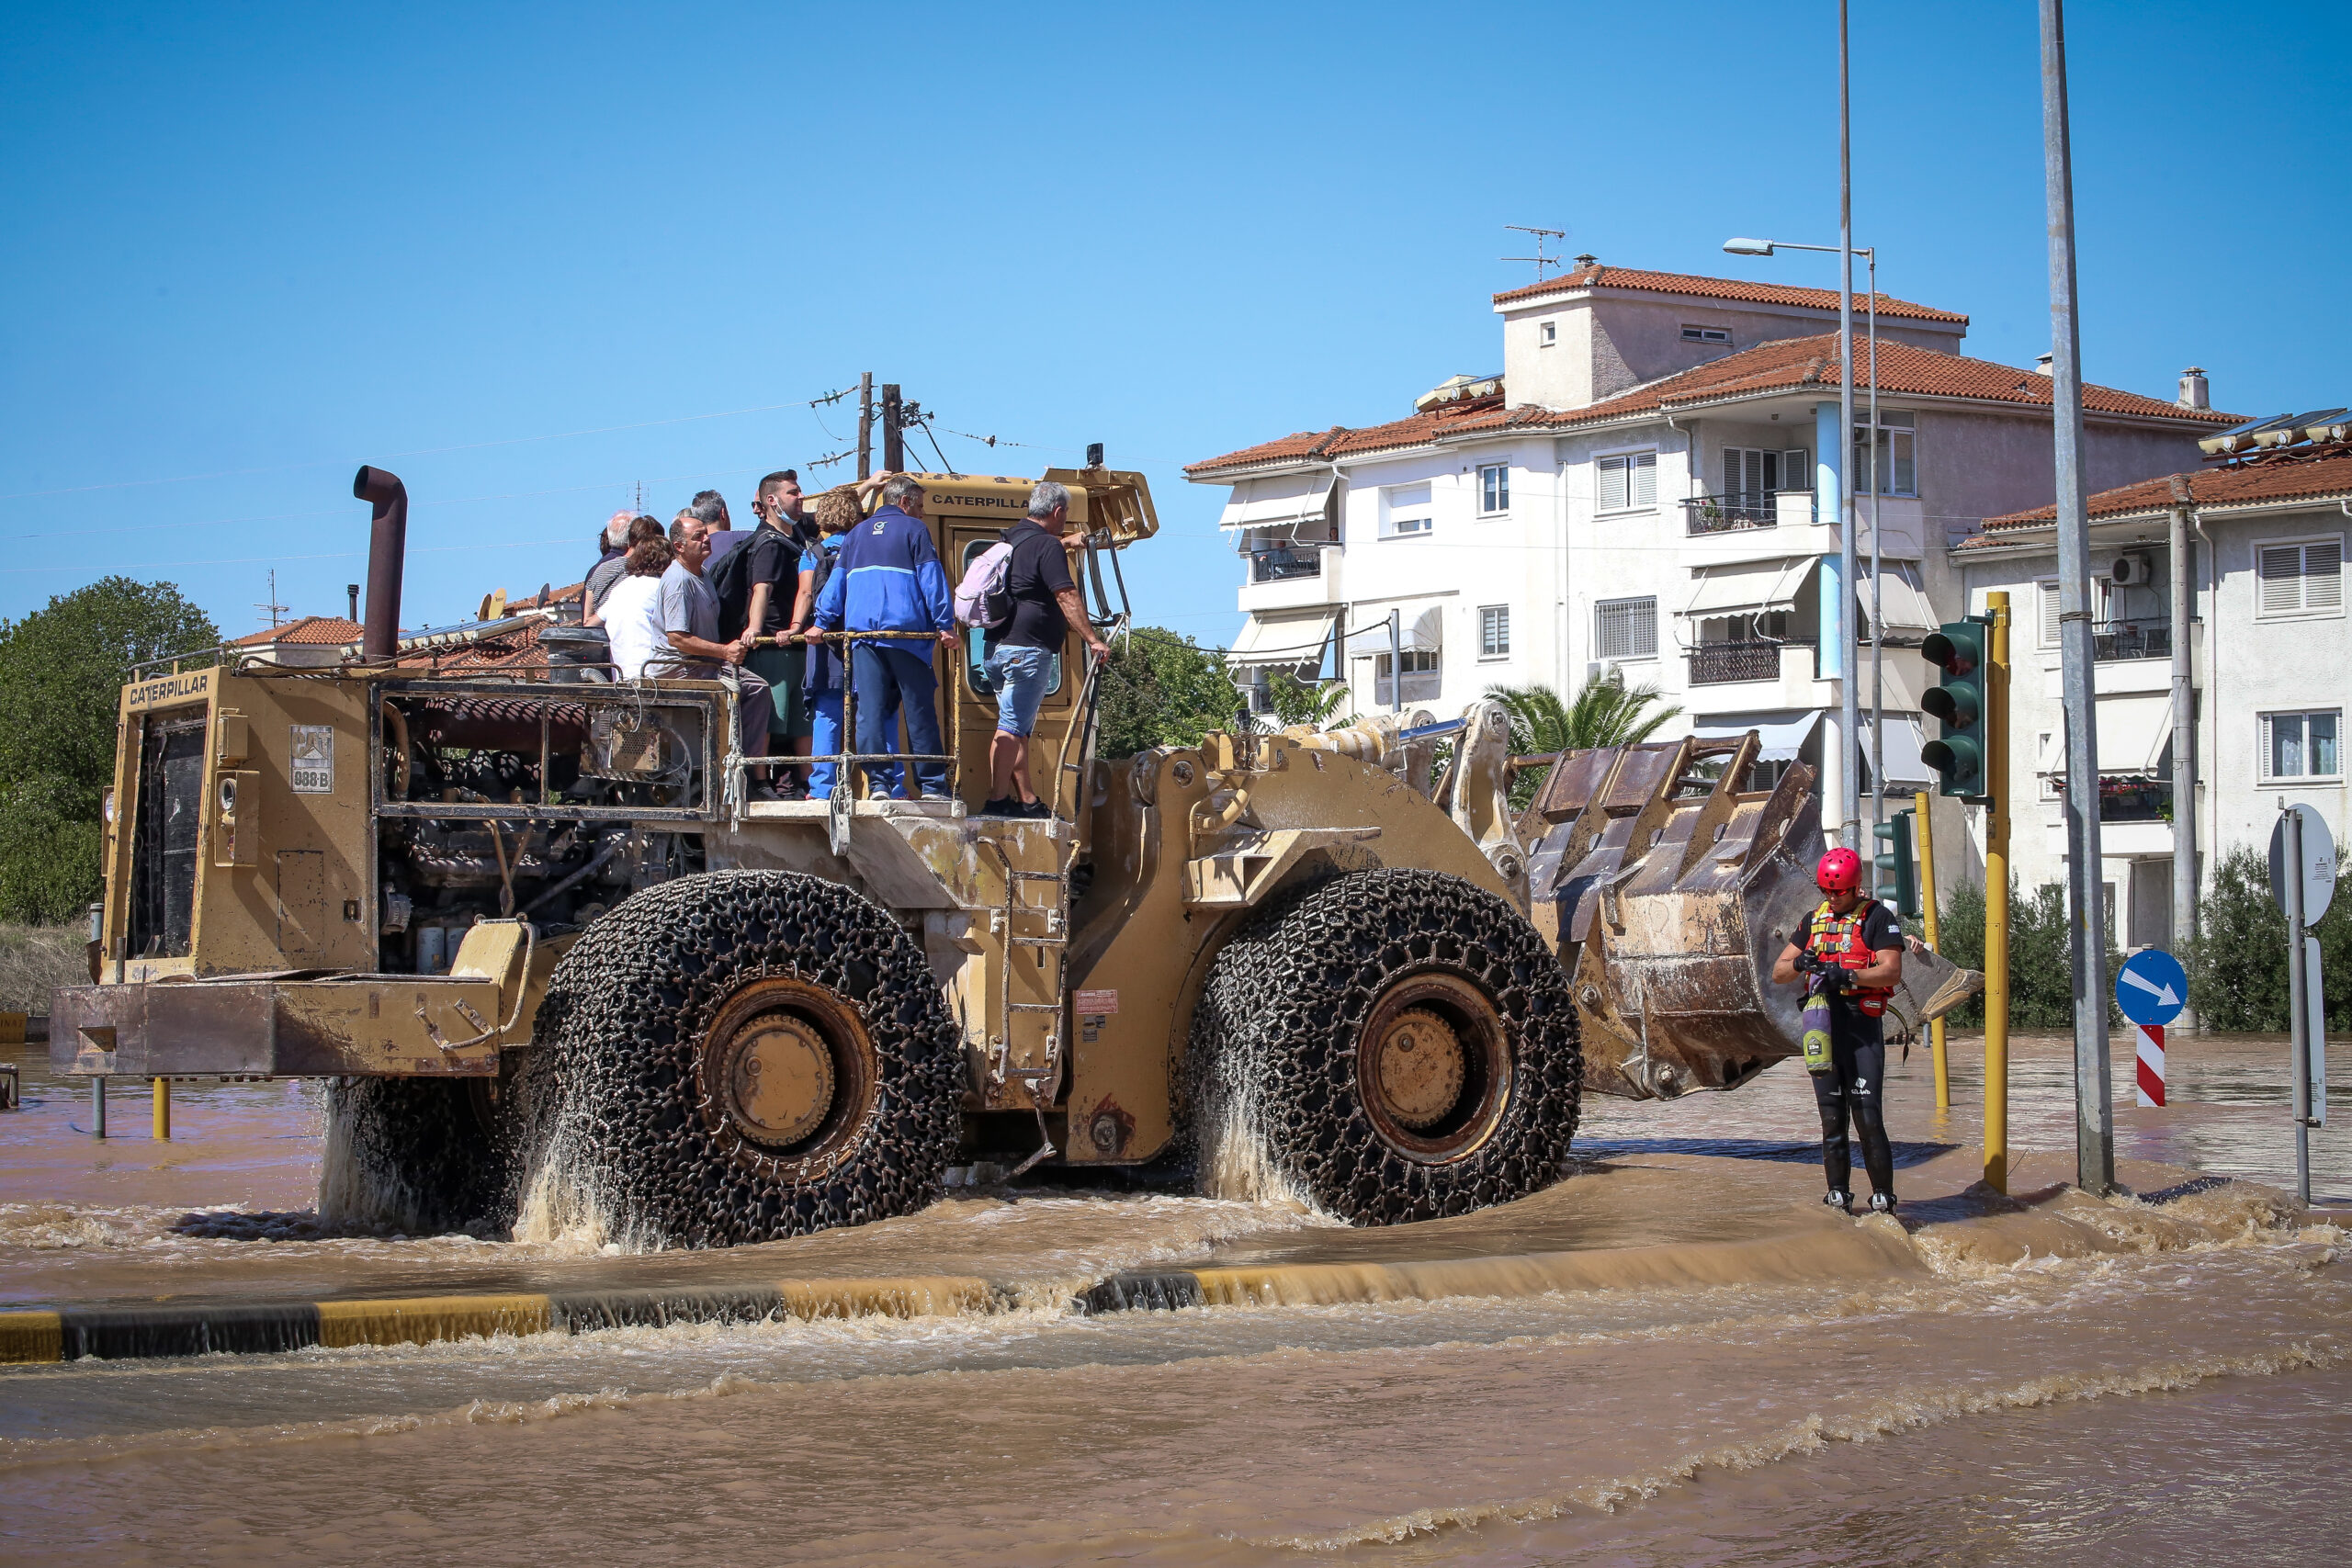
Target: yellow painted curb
<point x="32" y="1337"/>
<point x="911" y="1296"/>
<point x="420" y="1320"/>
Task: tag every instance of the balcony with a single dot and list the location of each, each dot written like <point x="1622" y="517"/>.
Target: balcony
<point x="1281" y="565"/>
<point x="1719" y="663"/>
<point x="1291" y="577"/>
<point x="2115" y="640"/>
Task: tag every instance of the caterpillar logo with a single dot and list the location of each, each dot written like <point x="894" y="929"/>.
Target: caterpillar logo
<point x="169" y="688"/>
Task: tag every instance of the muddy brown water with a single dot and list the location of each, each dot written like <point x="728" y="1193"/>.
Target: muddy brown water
<point x="2058" y="1378"/>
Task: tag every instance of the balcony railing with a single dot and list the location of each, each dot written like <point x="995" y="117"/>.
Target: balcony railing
<point x="1717" y="663"/>
<point x="2111" y="640"/>
<point x="1280" y="565"/>
<point x="1738" y="509"/>
<point x="2124" y="798"/>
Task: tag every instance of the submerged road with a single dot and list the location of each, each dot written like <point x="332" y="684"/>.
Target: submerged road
<point x="2068" y="1380"/>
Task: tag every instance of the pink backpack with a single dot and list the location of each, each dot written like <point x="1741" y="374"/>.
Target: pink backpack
<point x="982" y="599"/>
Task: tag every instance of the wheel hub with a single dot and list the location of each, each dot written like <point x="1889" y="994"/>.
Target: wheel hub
<point x="1418" y="1066"/>
<point x="781" y="1083"/>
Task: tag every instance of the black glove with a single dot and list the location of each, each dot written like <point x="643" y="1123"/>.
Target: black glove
<point x="1830" y="979"/>
<point x="1808" y="962"/>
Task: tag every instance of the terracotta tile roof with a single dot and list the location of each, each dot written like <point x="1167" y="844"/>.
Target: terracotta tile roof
<point x="1598" y="277"/>
<point x="1785" y="365"/>
<point x="310" y="629"/>
<point x="2285" y="478"/>
<point x="555" y="597"/>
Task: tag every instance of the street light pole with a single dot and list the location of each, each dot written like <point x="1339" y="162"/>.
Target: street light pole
<point x="1878" y="620"/>
<point x="2094" y="1111"/>
<point x="1849" y="704"/>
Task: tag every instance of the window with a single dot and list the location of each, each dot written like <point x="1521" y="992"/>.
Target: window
<point x="1547" y="333"/>
<point x="1626" y="628"/>
<point x="2046" y="626"/>
<point x="1421" y="677"/>
<point x="1493" y="631"/>
<point x="1705" y="335"/>
<point x="1754" y="472"/>
<point x="1628" y="483"/>
<point x="2300" y="577"/>
<point x="975" y="638"/>
<point x="1898" y="471"/>
<point x="1494" y="489"/>
<point x="1404" y="511"/>
<point x="2302" y="745"/>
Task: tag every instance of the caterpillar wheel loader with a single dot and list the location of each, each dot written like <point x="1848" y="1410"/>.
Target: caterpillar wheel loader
<point x="540" y="933"/>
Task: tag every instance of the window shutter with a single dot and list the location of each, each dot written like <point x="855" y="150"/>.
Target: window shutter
<point x="1612" y="484"/>
<point x="1796" y="472"/>
<point x="1645" y="478"/>
<point x="1907" y="474"/>
<point x="1731" y="470"/>
<point x="2049" y="615"/>
<point x="2282" y="574"/>
<point x="2323" y="575"/>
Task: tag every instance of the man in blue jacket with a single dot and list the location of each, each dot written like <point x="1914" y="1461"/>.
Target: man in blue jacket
<point x="888" y="578"/>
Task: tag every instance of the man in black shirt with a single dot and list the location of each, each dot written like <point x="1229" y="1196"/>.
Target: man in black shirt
<point x="1023" y="652"/>
<point x="1850" y="955"/>
<point x="773" y="569"/>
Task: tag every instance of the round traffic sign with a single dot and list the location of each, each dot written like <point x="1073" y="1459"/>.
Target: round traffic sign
<point x="2152" y="988"/>
<point x="2318" y="868"/>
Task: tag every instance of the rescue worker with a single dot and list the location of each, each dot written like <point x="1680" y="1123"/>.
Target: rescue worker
<point x="1851" y="955"/>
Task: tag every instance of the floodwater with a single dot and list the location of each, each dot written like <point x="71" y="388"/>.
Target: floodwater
<point x="1746" y="1377"/>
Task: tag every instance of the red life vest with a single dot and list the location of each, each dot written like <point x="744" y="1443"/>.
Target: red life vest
<point x="1839" y="937"/>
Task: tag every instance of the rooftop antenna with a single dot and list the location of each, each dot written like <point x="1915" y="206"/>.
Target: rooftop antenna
<point x="1539" y="258"/>
<point x="637" y="508"/>
<point x="273" y="609"/>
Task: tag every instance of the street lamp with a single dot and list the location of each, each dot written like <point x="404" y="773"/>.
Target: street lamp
<point x="1849" y="705"/>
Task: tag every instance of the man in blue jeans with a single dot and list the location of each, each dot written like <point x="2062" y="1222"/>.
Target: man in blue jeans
<point x="1024" y="651"/>
<point x="888" y="578"/>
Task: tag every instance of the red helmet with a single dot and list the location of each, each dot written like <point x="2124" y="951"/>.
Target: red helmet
<point x="1840" y="871"/>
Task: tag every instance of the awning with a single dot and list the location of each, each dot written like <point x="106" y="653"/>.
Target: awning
<point x="1902" y="758"/>
<point x="1283" y="498"/>
<point x="1292" y="639"/>
<point x="1901" y="600"/>
<point x="1423" y="632"/>
<point x="2133" y="733"/>
<point x="1748" y="588"/>
<point x="1781" y="735"/>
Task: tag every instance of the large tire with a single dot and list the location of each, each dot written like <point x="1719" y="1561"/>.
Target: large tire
<point x="742" y="1056"/>
<point x="1392" y="1046"/>
<point x="423" y="1155"/>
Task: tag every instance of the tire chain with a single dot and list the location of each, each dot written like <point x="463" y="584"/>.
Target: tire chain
<point x="1276" y="1027"/>
<point x="614" y="1058"/>
<point x="430" y="1164"/>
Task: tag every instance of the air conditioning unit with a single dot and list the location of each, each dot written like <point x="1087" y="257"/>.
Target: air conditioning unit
<point x="2131" y="571"/>
<point x="1600" y="670"/>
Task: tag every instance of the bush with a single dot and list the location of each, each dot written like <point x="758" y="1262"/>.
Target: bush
<point x="2237" y="965"/>
<point x="1159" y="689"/>
<point x="2041" y="981"/>
<point x="35" y="960"/>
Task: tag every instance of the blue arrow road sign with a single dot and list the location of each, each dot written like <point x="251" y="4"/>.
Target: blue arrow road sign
<point x="2152" y="988"/>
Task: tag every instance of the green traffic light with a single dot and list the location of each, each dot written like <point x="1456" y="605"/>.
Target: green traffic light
<point x="1957" y="760"/>
<point x="1960" y="706"/>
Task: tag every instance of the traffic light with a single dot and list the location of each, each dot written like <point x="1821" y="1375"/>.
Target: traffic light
<point x="1894" y="878"/>
<point x="1961" y="752"/>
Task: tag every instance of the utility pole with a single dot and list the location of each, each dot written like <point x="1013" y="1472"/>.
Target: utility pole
<point x="866" y="425"/>
<point x="2093" y="1115"/>
<point x="1849" y="697"/>
<point x="2183" y="729"/>
<point x="894" y="440"/>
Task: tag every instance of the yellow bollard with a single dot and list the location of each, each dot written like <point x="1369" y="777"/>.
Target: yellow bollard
<point x="163" y="1110"/>
<point x="1997" y="904"/>
<point x="1928" y="908"/>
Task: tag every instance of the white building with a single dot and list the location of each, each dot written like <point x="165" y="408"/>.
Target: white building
<point x="1652" y="485"/>
<point x="2270" y="665"/>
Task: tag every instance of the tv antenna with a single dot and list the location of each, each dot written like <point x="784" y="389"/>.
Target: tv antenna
<point x="637" y="507"/>
<point x="1539" y="258"/>
<point x="273" y="609"/>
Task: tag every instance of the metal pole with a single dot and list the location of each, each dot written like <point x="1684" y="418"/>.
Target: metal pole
<point x="1928" y="907"/>
<point x="163" y="1110"/>
<point x="1878" y="634"/>
<point x="2298" y="976"/>
<point x="98" y="1107"/>
<point x="1396" y="662"/>
<point x="1848" y="699"/>
<point x="1996" y="902"/>
<point x="2184" y="735"/>
<point x="2093" y="1115"/>
<point x="866" y="425"/>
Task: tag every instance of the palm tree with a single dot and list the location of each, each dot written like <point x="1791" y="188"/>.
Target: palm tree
<point x="1604" y="713"/>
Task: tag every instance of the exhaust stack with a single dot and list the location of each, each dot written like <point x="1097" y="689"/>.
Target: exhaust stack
<point x="387" y="556"/>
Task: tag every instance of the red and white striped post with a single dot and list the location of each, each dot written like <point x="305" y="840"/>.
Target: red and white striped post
<point x="2152" y="1062"/>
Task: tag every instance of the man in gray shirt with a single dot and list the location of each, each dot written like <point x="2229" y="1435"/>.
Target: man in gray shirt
<point x="689" y="611"/>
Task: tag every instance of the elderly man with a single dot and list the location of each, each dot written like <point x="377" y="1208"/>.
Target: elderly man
<point x="1024" y="651"/>
<point x="689" y="617"/>
<point x="888" y="579"/>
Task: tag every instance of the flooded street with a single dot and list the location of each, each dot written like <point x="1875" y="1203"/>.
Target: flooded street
<point x="1738" y="1375"/>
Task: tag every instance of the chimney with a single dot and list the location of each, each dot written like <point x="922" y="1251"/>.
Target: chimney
<point x="2193" y="393"/>
<point x="2041" y="363"/>
<point x="1586" y="261"/>
<point x="353" y="590"/>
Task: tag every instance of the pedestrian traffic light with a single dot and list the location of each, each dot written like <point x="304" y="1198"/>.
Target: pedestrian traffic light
<point x="1962" y="753"/>
<point x="1894" y="878"/>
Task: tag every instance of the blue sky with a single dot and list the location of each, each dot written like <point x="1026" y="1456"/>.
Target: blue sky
<point x="255" y="247"/>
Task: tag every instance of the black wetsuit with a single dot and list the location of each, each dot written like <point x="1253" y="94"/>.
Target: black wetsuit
<point x="1853" y="1087"/>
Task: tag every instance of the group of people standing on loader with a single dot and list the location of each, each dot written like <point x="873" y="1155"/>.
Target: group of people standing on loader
<point x="825" y="598"/>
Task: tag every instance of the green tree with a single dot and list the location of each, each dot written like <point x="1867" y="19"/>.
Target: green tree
<point x="2041" y="983"/>
<point x="1605" y="712"/>
<point x="1298" y="702"/>
<point x="1161" y="689"/>
<point x="2237" y="965"/>
<point x="62" y="670"/>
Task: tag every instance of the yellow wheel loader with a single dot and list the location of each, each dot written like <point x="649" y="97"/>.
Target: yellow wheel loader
<point x="541" y="930"/>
